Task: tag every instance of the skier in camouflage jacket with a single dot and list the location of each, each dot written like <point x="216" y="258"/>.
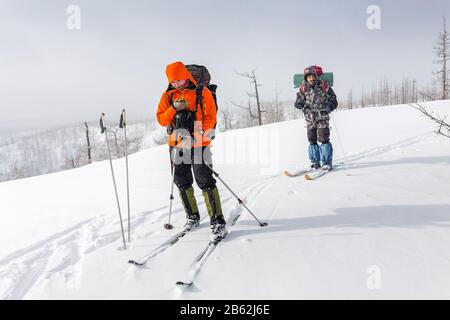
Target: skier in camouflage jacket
<point x="317" y="99"/>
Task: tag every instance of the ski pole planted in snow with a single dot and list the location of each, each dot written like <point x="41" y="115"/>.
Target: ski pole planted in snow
<point x="261" y="224"/>
<point x="168" y="226"/>
<point x="340" y="142"/>
<point x="105" y="131"/>
<point x="123" y="125"/>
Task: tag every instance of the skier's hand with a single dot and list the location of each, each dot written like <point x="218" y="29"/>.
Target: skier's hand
<point x="180" y="104"/>
<point x="299" y="103"/>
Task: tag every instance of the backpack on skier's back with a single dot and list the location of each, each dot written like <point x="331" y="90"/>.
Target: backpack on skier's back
<point x="203" y="78"/>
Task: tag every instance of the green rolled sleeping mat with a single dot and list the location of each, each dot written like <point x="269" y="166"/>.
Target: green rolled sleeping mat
<point x="299" y="78"/>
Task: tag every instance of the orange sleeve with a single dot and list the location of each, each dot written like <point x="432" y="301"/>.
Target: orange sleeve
<point x="209" y="110"/>
<point x="165" y="112"/>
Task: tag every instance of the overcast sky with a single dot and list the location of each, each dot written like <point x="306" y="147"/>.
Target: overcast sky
<point x="50" y="75"/>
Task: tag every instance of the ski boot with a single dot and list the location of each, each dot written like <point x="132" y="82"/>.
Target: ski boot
<point x="327" y="167"/>
<point x="212" y="201"/>
<point x="315" y="165"/>
<point x="218" y="229"/>
<point x="192" y="222"/>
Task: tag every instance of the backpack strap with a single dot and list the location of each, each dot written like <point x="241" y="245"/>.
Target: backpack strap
<point x="171" y="99"/>
<point x="303" y="88"/>
<point x="199" y="97"/>
<point x="325" y="86"/>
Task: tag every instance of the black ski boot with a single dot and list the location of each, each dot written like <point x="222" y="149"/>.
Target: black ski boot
<point x="218" y="229"/>
<point x="213" y="204"/>
<point x="192" y="221"/>
<point x="315" y="165"/>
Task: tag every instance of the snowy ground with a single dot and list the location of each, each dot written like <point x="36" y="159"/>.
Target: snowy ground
<point x="378" y="230"/>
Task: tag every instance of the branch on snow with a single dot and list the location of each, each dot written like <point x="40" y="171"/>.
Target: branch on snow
<point x="444" y="127"/>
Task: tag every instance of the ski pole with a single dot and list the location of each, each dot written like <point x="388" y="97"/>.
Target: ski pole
<point x="104" y="130"/>
<point x="261" y="224"/>
<point x="340" y="142"/>
<point x="123" y="124"/>
<point x="168" y="226"/>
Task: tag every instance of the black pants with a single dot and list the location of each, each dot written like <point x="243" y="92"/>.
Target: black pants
<point x="318" y="134"/>
<point x="197" y="159"/>
<point x="318" y="126"/>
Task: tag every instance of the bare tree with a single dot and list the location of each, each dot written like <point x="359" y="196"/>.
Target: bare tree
<point x="274" y="111"/>
<point x="403" y="90"/>
<point x="388" y="93"/>
<point x="362" y="98"/>
<point x="88" y="143"/>
<point x="279" y="114"/>
<point x="251" y="115"/>
<point x="414" y="93"/>
<point x="17" y="172"/>
<point x="134" y="144"/>
<point x="114" y="132"/>
<point x="350" y="99"/>
<point x="252" y="76"/>
<point x="444" y="127"/>
<point x="427" y="95"/>
<point x="442" y="51"/>
<point x="226" y="118"/>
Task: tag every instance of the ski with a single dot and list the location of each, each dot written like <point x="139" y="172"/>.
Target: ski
<point x="162" y="247"/>
<point x="199" y="261"/>
<point x="319" y="173"/>
<point x="315" y="175"/>
<point x="201" y="258"/>
<point x="297" y="173"/>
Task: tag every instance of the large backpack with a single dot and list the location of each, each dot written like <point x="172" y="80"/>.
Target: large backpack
<point x="186" y="119"/>
<point x="203" y="78"/>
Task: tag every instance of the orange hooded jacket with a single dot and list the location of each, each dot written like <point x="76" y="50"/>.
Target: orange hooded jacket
<point x="205" y="115"/>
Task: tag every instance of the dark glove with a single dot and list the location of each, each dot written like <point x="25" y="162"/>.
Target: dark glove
<point x="329" y="106"/>
<point x="180" y="104"/>
<point x="299" y="103"/>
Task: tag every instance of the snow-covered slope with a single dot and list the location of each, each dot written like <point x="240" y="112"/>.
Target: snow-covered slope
<point x="378" y="230"/>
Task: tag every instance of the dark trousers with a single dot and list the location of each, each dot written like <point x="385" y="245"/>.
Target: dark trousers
<point x="318" y="126"/>
<point x="318" y="134"/>
<point x="188" y="160"/>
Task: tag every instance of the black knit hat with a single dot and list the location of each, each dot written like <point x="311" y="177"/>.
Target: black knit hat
<point x="310" y="71"/>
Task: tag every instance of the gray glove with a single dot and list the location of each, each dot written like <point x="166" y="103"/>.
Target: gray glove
<point x="329" y="107"/>
<point x="180" y="104"/>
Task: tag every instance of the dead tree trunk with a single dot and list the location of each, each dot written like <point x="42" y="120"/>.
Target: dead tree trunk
<point x="252" y="77"/>
<point x="88" y="143"/>
<point x="442" y="50"/>
<point x="117" y="144"/>
<point x="251" y="116"/>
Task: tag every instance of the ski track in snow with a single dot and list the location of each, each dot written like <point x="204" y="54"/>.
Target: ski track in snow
<point x="61" y="255"/>
<point x="378" y="151"/>
<point x="255" y="191"/>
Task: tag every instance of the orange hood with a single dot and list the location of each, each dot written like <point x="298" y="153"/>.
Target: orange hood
<point x="178" y="71"/>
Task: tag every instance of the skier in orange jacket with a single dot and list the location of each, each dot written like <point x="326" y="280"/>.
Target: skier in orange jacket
<point x="191" y="116"/>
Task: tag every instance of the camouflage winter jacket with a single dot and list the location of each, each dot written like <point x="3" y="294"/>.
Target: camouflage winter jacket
<point x="319" y="97"/>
